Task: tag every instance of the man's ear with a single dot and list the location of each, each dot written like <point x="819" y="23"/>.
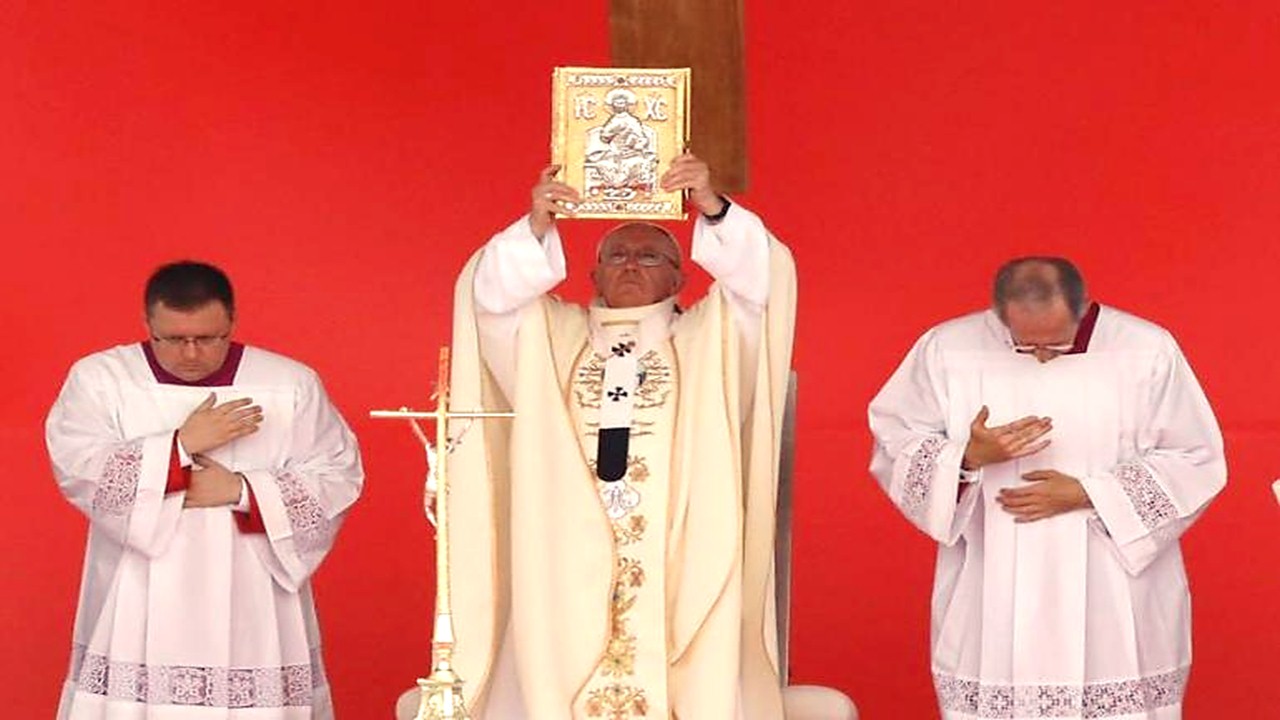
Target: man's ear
<point x="596" y="274"/>
<point x="1085" y="302"/>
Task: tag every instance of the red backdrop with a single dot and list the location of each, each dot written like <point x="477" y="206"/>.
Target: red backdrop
<point x="342" y="158"/>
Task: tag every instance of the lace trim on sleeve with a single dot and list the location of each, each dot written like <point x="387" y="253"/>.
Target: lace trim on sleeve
<point x="118" y="486"/>
<point x="311" y="527"/>
<point x="1149" y="500"/>
<point x="919" y="480"/>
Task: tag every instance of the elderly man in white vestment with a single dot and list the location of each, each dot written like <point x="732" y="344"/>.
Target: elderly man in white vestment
<point x="613" y="545"/>
<point x="214" y="476"/>
<point x="1056" y="449"/>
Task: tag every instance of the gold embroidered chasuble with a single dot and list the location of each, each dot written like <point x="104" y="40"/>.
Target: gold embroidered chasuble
<point x="665" y="610"/>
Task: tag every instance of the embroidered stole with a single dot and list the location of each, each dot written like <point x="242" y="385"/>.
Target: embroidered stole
<point x="632" y="435"/>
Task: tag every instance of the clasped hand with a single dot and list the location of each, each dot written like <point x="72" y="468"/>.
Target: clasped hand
<point x="1050" y="493"/>
<point x="210" y="426"/>
<point x="212" y="484"/>
<point x="989" y="445"/>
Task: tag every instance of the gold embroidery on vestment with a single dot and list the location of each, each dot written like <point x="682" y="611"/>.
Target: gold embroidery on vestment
<point x="629" y="532"/>
<point x="619" y="661"/>
<point x="637" y="468"/>
<point x="617" y="702"/>
<point x="654" y="389"/>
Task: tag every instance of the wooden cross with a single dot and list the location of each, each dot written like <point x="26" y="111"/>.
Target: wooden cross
<point x="705" y="35"/>
<point x="442" y="689"/>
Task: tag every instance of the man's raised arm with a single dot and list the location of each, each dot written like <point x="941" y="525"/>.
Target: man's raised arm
<point x="525" y="260"/>
<point x="516" y="267"/>
<point x="729" y="241"/>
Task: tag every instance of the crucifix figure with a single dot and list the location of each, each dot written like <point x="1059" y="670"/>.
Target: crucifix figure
<point x="442" y="689"/>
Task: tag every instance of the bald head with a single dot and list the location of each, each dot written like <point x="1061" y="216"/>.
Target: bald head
<point x="1038" y="283"/>
<point x="1041" y="301"/>
<point x="637" y="264"/>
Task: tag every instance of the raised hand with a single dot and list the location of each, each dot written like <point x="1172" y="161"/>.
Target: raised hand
<point x="687" y="172"/>
<point x="211" y="426"/>
<point x="989" y="445"/>
<point x="212" y="484"/>
<point x="1050" y="493"/>
<point x="550" y="197"/>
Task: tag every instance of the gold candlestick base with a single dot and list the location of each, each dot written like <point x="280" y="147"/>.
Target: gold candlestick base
<point x="441" y="695"/>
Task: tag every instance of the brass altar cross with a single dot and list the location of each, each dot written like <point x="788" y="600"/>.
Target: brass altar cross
<point x="442" y="689"/>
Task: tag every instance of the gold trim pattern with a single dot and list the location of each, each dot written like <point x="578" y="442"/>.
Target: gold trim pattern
<point x="617" y="702"/>
<point x="614" y="132"/>
<point x="630" y="532"/>
<point x="655" y="384"/>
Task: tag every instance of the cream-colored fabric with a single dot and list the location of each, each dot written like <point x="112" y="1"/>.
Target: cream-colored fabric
<point x="813" y="702"/>
<point x="802" y="702"/>
<point x="533" y="547"/>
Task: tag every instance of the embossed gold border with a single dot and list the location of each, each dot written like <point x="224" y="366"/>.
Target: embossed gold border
<point x="658" y="206"/>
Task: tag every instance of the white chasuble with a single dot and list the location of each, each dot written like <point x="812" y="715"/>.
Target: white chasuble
<point x="649" y="596"/>
<point x="183" y="615"/>
<point x="1085" y="614"/>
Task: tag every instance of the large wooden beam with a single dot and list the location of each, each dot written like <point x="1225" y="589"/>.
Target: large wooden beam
<point x="705" y="35"/>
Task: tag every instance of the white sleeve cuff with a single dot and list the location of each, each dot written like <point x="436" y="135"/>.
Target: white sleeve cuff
<point x="184" y="458"/>
<point x="242" y="505"/>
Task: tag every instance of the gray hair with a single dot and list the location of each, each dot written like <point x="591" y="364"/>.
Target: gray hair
<point x="1024" y="280"/>
<point x="637" y="225"/>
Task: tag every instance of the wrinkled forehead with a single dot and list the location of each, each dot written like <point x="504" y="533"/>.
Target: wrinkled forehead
<point x="640" y="236"/>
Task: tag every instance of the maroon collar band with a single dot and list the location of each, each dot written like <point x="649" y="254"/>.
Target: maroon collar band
<point x="223" y="376"/>
<point x="1085" y="332"/>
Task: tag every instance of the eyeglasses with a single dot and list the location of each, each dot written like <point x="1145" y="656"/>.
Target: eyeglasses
<point x="643" y="258"/>
<point x="199" y="341"/>
<point x="1054" y="347"/>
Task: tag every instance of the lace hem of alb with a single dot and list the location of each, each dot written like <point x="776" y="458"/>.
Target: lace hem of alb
<point x="1093" y="700"/>
<point x="222" y="687"/>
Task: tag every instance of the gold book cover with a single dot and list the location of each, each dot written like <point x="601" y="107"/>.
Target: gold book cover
<point x="614" y="132"/>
